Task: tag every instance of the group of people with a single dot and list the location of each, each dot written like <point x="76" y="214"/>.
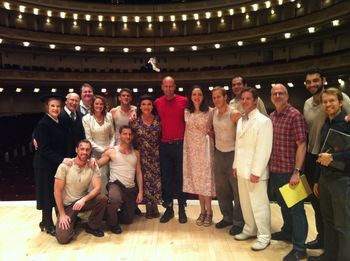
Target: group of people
<point x="165" y="148"/>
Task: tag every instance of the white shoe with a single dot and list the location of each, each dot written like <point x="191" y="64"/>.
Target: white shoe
<point x="242" y="236"/>
<point x="258" y="245"/>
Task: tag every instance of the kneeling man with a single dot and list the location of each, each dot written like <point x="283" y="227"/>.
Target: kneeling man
<point x="250" y="166"/>
<point x="72" y="196"/>
<point x="124" y="163"/>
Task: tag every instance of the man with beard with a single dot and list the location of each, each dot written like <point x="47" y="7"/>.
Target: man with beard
<point x="72" y="196"/>
<point x="315" y="118"/>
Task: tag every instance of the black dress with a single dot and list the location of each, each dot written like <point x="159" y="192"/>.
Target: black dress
<point x="51" y="139"/>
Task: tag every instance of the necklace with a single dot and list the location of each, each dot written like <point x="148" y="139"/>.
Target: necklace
<point x="99" y="121"/>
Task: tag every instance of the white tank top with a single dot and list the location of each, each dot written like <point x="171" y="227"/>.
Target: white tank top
<point x="225" y="131"/>
<point x="123" y="168"/>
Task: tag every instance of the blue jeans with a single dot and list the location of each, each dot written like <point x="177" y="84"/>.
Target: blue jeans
<point x="295" y="223"/>
<point x="171" y="171"/>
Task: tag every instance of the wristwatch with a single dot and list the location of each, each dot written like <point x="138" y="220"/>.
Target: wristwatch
<point x="296" y="170"/>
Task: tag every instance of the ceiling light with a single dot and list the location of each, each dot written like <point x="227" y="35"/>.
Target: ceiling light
<point x="148" y="49"/>
<point x="119" y="89"/>
<point x="207" y="15"/>
<point x="172" y="18"/>
<point x="18" y="89"/>
<point x="135" y="90"/>
<point x="292" y="1"/>
<point x="290" y="84"/>
<point x="171" y="49"/>
<point x="49" y="13"/>
<point x="243" y="9"/>
<point x="298" y="5"/>
<point x="52" y="46"/>
<point x="247" y="16"/>
<point x="77" y="48"/>
<point x="311" y="30"/>
<point x="7" y="5"/>
<point x="36" y="90"/>
<point x="194" y="48"/>
<point x="341" y="82"/>
<point x="62" y="15"/>
<point x="22" y="8"/>
<point x="125" y="50"/>
<point x="150" y="89"/>
<point x="161" y="18"/>
<point x="87" y="17"/>
<point x="257" y="86"/>
<point x="149" y="19"/>
<point x="99" y="24"/>
<point x="217" y="45"/>
<point x="103" y="90"/>
<point x="195" y="16"/>
<point x="101" y="49"/>
<point x="231" y="11"/>
<point x="211" y="88"/>
<point x="53" y="90"/>
<point x="226" y="87"/>
<point x="268" y="4"/>
<point x="19" y="16"/>
<point x="124" y="19"/>
<point x="184" y="17"/>
<point x="0" y="40"/>
<point x="48" y="20"/>
<point x="36" y="11"/>
<point x="112" y="18"/>
<point x="280" y="2"/>
<point x="174" y="25"/>
<point x="125" y="26"/>
<point x="26" y="44"/>
<point x="150" y="26"/>
<point x="335" y="22"/>
<point x="75" y="23"/>
<point x="219" y="13"/>
<point x="222" y="20"/>
<point x="240" y="43"/>
<point x="1" y="89"/>
<point x="198" y="23"/>
<point x="137" y="19"/>
<point x="272" y="11"/>
<point x="287" y="35"/>
<point x="70" y="90"/>
<point x="100" y="18"/>
<point x="255" y="7"/>
<point x="263" y="39"/>
<point x="181" y="89"/>
<point x="75" y="16"/>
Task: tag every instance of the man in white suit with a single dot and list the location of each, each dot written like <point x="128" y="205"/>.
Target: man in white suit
<point x="250" y="167"/>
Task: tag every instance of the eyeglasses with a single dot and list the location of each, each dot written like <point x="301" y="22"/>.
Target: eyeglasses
<point x="278" y="94"/>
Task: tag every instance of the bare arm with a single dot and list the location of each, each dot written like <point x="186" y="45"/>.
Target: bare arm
<point x="299" y="160"/>
<point x="235" y="116"/>
<point x="96" y="183"/>
<point x="64" y="220"/>
<point x="104" y="158"/>
<point x="139" y="178"/>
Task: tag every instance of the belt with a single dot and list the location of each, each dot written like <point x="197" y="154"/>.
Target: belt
<point x="173" y="142"/>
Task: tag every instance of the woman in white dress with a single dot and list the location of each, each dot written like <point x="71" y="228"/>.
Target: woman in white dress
<point x="198" y="153"/>
<point x="99" y="130"/>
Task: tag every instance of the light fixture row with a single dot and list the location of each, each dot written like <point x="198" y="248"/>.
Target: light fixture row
<point x="150" y="18"/>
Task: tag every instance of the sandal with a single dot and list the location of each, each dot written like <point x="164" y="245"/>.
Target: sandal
<point x="208" y="220"/>
<point x="200" y="219"/>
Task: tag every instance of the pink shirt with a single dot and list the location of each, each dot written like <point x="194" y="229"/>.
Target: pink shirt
<point x="171" y="114"/>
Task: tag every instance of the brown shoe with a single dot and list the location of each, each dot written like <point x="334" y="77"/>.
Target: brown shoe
<point x="149" y="211"/>
<point x="200" y="219"/>
<point x="155" y="211"/>
<point x="208" y="220"/>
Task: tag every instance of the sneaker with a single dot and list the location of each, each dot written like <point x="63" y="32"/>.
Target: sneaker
<point x="94" y="232"/>
<point x="295" y="255"/>
<point x="168" y="214"/>
<point x="235" y="230"/>
<point x="281" y="236"/>
<point x="223" y="224"/>
<point x="258" y="245"/>
<point x="200" y="219"/>
<point x="242" y="236"/>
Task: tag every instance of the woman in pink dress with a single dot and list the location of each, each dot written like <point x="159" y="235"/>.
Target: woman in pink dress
<point x="198" y="175"/>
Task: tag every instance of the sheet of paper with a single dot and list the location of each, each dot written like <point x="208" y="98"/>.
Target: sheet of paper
<point x="293" y="195"/>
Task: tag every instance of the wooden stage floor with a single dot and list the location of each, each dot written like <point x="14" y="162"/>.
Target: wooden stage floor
<point x="146" y="239"/>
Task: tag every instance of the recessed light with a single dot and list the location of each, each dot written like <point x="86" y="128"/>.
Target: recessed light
<point x="52" y="46"/>
<point x="62" y="15"/>
<point x="137" y="19"/>
<point x="311" y="30"/>
<point x="287" y="35"/>
<point x="53" y="90"/>
<point x="77" y="48"/>
<point x="240" y="43"/>
<point x="35" y="11"/>
<point x="26" y="44"/>
<point x="335" y="22"/>
<point x="194" y="47"/>
<point x="22" y="8"/>
<point x="149" y="19"/>
<point x="101" y="49"/>
<point x="171" y="49"/>
<point x="36" y="90"/>
<point x="100" y="18"/>
<point x="263" y="39"/>
<point x="161" y="18"/>
<point x="87" y="17"/>
<point x="125" y="50"/>
<point x="7" y="5"/>
<point x="135" y="90"/>
<point x="181" y="89"/>
<point x="150" y="89"/>
<point x="18" y="89"/>
<point x="148" y="49"/>
<point x="49" y="13"/>
<point x="217" y="45"/>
